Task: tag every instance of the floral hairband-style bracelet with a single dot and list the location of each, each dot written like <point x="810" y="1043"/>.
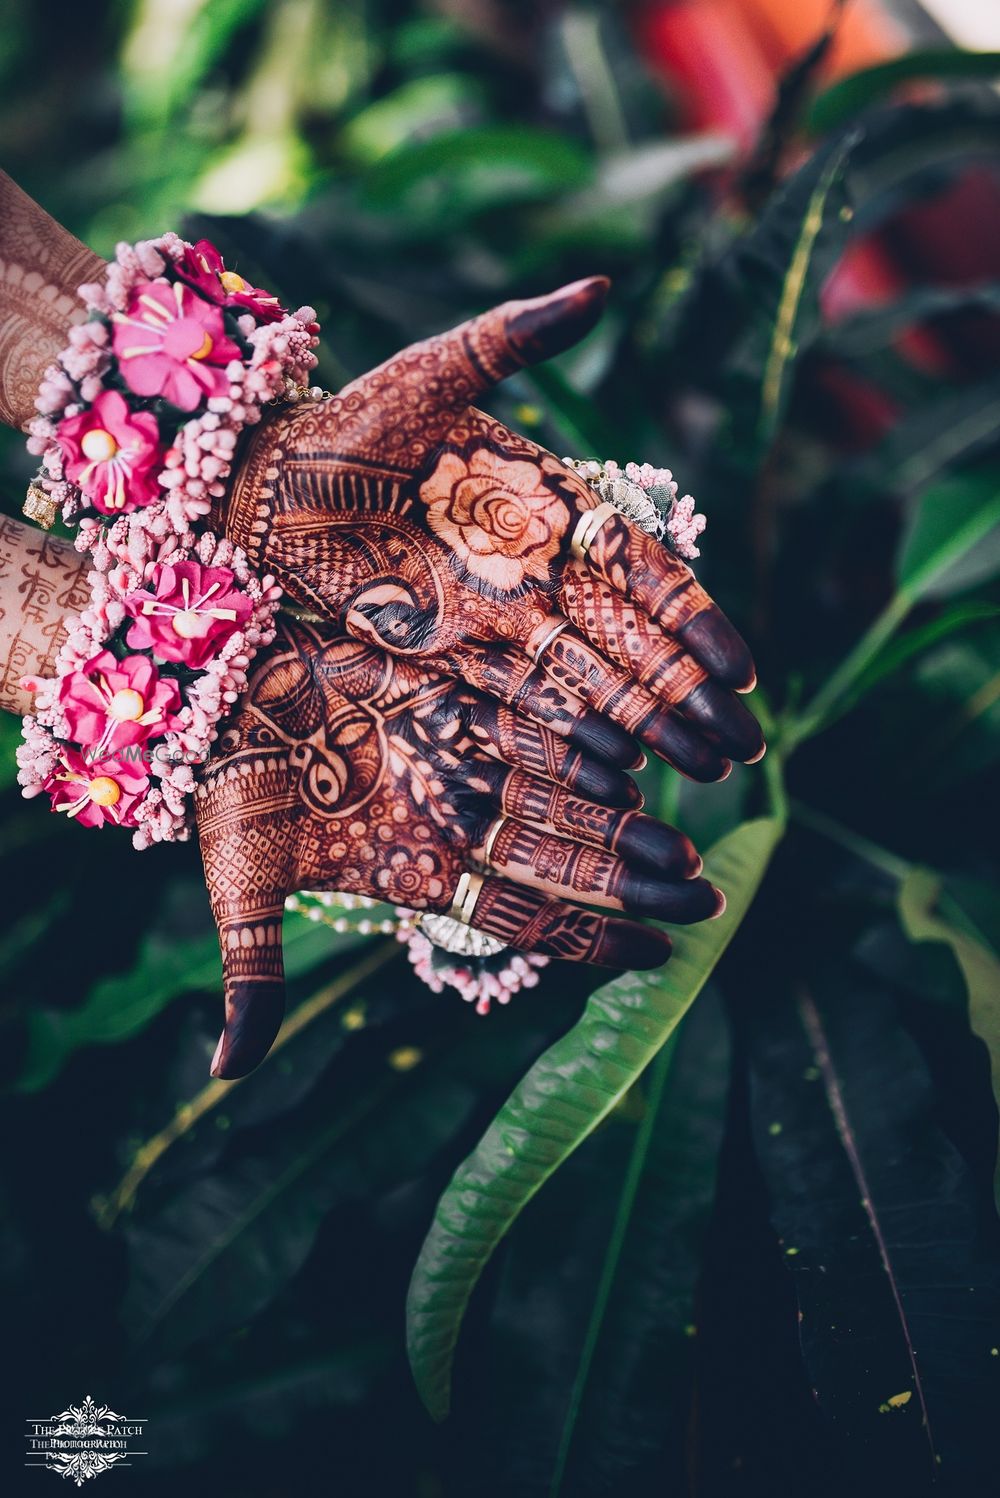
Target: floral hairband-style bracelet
<point x="138" y="426"/>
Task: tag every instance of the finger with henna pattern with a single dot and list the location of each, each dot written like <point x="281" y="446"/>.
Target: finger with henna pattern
<point x="529" y="922"/>
<point x="506" y="673"/>
<point x="636" y="838"/>
<point x="641" y="649"/>
<point x="514" y="740"/>
<point x="452" y="370"/>
<point x="558" y="866"/>
<point x="577" y="666"/>
<point x="643" y="569"/>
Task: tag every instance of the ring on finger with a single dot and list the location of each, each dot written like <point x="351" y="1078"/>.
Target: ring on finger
<point x="588" y="526"/>
<point x="491" y="837"/>
<point x="553" y="634"/>
<point x="463" y="905"/>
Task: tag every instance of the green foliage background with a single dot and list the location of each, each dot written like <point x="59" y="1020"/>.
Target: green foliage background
<point x="746" y="1244"/>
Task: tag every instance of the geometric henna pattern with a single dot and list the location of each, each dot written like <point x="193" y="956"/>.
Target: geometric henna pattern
<point x="345" y="768"/>
<point x="399" y="512"/>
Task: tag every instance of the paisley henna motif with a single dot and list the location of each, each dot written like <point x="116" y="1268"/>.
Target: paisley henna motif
<point x="400" y="512"/>
<point x="348" y="769"/>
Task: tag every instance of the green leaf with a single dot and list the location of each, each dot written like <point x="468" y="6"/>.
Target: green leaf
<point x="866" y="332"/>
<point x="848" y="96"/>
<point x="563" y="1098"/>
<point x="950" y="520"/>
<point x="634" y="182"/>
<point x="929" y="913"/>
<point x="907" y="647"/>
<point x="462" y="172"/>
<point x="881" y="1227"/>
<point x="955" y="425"/>
<point x="162" y="75"/>
<point x="783" y="265"/>
<point x="632" y="1386"/>
<point x="418" y="107"/>
<point x="226" y="1243"/>
<point x="122" y="1005"/>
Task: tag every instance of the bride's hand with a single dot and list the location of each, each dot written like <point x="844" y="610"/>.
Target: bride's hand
<point x="413" y="520"/>
<point x="350" y="770"/>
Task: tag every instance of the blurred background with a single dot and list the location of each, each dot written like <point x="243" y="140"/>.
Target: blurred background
<point x="799" y="205"/>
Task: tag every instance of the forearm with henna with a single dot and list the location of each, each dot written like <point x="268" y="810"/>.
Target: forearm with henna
<point x="42" y="580"/>
<point x="41" y="266"/>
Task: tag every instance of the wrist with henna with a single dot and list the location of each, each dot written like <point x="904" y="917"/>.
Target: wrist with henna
<point x="414" y="521"/>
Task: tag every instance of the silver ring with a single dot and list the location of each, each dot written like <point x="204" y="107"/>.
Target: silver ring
<point x="553" y="634"/>
<point x="463" y="905"/>
<point x="492" y="835"/>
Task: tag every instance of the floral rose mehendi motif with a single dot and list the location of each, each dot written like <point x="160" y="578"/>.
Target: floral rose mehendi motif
<point x="503" y="517"/>
<point x="418" y="523"/>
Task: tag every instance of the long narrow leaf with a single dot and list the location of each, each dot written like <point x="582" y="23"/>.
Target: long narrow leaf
<point x="880" y="1224"/>
<point x="563" y="1098"/>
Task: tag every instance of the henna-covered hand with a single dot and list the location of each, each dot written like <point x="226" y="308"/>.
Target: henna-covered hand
<point x="349" y="769"/>
<point x="415" y="521"/>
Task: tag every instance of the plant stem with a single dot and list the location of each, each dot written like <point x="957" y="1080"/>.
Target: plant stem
<point x="108" y="1209"/>
<point x="862" y="847"/>
<point x="818" y="712"/>
<point x="774" y="779"/>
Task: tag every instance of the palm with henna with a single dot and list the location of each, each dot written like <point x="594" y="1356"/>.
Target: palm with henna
<point x="413" y="520"/>
<point x="345" y="768"/>
<point x="349" y="769"/>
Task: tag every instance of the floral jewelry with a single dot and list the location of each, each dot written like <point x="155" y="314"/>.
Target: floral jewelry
<point x="139" y="422"/>
<point x="648" y="497"/>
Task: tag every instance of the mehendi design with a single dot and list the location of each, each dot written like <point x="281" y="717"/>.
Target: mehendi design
<point x="42" y="580"/>
<point x="349" y="769"/>
<point x="414" y="521"/>
<point x="41" y="266"/>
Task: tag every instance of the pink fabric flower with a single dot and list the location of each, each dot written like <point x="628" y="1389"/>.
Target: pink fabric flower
<point x="111" y="703"/>
<point x="95" y="792"/>
<point x="189" y="615"/>
<point x="112" y="454"/>
<point x="171" y="342"/>
<point x="201" y="266"/>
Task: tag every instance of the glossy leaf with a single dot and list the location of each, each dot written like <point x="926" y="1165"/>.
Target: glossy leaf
<point x="951" y="520"/>
<point x="563" y="1098"/>
<point x="929" y="912"/>
<point x="880" y="1225"/>
<point x="782" y="266"/>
